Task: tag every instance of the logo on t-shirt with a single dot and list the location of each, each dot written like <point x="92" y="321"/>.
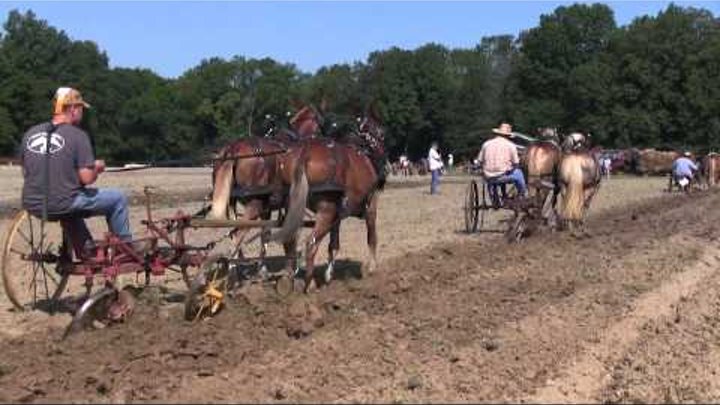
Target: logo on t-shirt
<point x="38" y="143"/>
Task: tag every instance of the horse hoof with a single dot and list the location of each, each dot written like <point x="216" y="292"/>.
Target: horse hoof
<point x="328" y="274"/>
<point x="263" y="273"/>
<point x="309" y="288"/>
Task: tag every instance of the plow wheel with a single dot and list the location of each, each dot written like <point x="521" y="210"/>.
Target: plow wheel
<point x="471" y="207"/>
<point x="106" y="306"/>
<point x="35" y="263"/>
<point x="518" y="228"/>
<point x="208" y="289"/>
<point x="284" y="285"/>
<point x="189" y="273"/>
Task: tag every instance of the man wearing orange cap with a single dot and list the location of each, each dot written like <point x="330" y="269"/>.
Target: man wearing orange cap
<point x="72" y="167"/>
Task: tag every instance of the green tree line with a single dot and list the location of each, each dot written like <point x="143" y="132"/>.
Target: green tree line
<point x="652" y="83"/>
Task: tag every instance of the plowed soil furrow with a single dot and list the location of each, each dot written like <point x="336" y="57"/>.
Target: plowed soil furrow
<point x="476" y="321"/>
<point x="676" y="358"/>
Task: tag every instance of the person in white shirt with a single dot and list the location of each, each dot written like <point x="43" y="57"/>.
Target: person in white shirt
<point x="435" y="164"/>
<point x="404" y="165"/>
<point x="607" y="165"/>
<point x="451" y="161"/>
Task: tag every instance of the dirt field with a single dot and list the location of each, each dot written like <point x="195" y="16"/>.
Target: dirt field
<point x="627" y="315"/>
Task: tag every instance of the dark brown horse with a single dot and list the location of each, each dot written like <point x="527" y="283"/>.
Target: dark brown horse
<point x="247" y="172"/>
<point x="344" y="179"/>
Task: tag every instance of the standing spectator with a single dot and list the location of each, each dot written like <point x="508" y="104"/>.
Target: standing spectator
<point x="451" y="162"/>
<point x="404" y="165"/>
<point x="435" y="164"/>
<point x="607" y="166"/>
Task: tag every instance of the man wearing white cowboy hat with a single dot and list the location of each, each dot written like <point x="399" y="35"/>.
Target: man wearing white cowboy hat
<point x="684" y="169"/>
<point x="500" y="161"/>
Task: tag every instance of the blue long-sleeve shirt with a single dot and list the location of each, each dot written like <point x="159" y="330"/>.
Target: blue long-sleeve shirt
<point x="684" y="167"/>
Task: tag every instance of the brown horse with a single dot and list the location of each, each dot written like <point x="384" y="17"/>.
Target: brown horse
<point x="247" y="171"/>
<point x="541" y="163"/>
<point x="711" y="169"/>
<point x="344" y="180"/>
<point x="652" y="161"/>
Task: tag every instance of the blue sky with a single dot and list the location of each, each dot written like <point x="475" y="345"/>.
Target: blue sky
<point x="171" y="37"/>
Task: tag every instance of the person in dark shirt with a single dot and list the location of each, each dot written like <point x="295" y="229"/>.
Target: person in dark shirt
<point x="72" y="168"/>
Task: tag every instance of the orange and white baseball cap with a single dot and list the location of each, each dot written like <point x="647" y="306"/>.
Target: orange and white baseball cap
<point x="65" y="96"/>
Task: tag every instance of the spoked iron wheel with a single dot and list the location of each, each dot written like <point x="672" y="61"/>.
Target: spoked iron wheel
<point x="35" y="263"/>
<point x="471" y="207"/>
<point x="209" y="289"/>
<point x="484" y="201"/>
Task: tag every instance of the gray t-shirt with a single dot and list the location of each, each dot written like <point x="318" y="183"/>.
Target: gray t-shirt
<point x="70" y="150"/>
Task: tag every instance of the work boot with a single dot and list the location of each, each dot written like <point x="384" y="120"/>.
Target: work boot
<point x="89" y="251"/>
<point x="140" y="247"/>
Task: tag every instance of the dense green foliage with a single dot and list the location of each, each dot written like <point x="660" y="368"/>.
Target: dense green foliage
<point x="655" y="82"/>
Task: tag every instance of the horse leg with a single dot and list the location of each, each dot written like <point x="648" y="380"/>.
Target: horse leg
<point x="325" y="217"/>
<point x="590" y="194"/>
<point x="333" y="248"/>
<point x="251" y="211"/>
<point x="264" y="213"/>
<point x="547" y="212"/>
<point x="290" y="248"/>
<point x="370" y="224"/>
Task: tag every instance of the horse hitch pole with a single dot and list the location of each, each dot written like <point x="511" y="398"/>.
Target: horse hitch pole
<point x="250" y="155"/>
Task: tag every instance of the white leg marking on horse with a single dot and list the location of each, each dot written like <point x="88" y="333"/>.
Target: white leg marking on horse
<point x="329" y="271"/>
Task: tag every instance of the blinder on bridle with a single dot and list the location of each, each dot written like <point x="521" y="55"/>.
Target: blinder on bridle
<point x="371" y="133"/>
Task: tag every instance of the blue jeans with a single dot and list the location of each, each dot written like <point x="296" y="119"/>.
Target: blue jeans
<point x="435" y="182"/>
<point x="515" y="176"/>
<point x="110" y="202"/>
<point x="518" y="179"/>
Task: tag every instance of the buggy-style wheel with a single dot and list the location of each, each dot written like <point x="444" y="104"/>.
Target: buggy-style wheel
<point x="36" y="263"/>
<point x="209" y="289"/>
<point x="471" y="207"/>
<point x="483" y="205"/>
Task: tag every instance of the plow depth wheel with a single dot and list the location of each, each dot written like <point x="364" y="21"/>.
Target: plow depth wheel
<point x="518" y="227"/>
<point x="471" y="207"/>
<point x="105" y="306"/>
<point x="208" y="290"/>
<point x="31" y="263"/>
<point x="284" y="285"/>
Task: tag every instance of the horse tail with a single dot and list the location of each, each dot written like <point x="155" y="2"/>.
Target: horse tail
<point x="222" y="184"/>
<point x="571" y="175"/>
<point x="297" y="201"/>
